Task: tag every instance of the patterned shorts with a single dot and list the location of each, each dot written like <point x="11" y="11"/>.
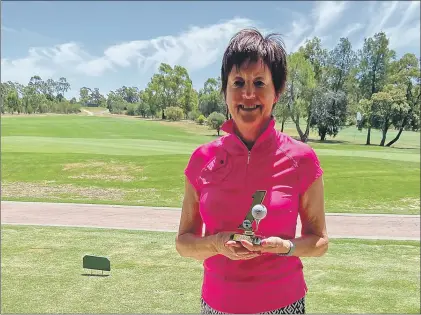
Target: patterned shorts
<point x="294" y="308"/>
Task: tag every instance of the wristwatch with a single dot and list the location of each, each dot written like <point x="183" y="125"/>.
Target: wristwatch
<point x="290" y="251"/>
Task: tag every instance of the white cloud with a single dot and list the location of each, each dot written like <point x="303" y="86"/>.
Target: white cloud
<point x="351" y="29"/>
<point x="195" y="49"/>
<point x="398" y="19"/>
<point x="405" y="33"/>
<point x="296" y="34"/>
<point x="319" y="23"/>
<point x="95" y="67"/>
<point x="22" y="69"/>
<point x="123" y="54"/>
<point x="198" y="47"/>
<point x="326" y="13"/>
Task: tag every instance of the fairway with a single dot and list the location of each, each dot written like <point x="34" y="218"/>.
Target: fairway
<point x="133" y="161"/>
<point x="42" y="273"/>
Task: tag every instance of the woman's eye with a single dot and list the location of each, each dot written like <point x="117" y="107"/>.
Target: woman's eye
<point x="238" y="83"/>
<point x="259" y="83"/>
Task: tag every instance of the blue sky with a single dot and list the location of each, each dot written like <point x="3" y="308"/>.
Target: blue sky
<point x="107" y="44"/>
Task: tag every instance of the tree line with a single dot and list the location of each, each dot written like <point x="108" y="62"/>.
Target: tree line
<point x="325" y="91"/>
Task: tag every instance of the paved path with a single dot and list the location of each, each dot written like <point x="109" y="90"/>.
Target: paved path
<point x="405" y="227"/>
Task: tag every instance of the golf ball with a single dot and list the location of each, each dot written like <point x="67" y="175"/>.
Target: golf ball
<point x="259" y="212"/>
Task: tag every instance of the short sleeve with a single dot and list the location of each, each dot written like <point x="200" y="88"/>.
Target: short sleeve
<point x="195" y="165"/>
<point x="309" y="168"/>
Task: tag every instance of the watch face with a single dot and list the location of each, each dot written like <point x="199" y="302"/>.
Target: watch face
<point x="291" y="249"/>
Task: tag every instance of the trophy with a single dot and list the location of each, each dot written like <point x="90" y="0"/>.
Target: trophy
<point x="256" y="213"/>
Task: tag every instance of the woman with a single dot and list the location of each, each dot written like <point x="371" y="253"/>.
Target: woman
<point x="222" y="176"/>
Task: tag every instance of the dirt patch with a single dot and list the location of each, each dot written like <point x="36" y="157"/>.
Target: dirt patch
<point x="191" y="127"/>
<point x="40" y="250"/>
<point x="58" y="191"/>
<point x="52" y="191"/>
<point x="110" y="167"/>
<point x="107" y="178"/>
<point x="410" y="203"/>
<point x="67" y="191"/>
<point x="106" y="171"/>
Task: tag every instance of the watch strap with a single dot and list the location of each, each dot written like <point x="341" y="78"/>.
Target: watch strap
<point x="290" y="251"/>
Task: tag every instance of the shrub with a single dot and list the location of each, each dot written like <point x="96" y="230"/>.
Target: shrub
<point x="215" y="121"/>
<point x="193" y="115"/>
<point x="174" y="113"/>
<point x="201" y="120"/>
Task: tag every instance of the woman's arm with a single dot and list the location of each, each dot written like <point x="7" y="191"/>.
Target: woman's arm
<point x="314" y="240"/>
<point x="189" y="240"/>
<point x="191" y="243"/>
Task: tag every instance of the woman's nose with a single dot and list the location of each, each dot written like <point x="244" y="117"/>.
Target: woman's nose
<point x="248" y="91"/>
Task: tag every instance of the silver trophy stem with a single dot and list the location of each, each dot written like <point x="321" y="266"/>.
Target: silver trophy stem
<point x="257" y="224"/>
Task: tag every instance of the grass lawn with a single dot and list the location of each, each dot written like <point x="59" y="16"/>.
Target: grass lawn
<point x="42" y="273"/>
<point x="132" y="161"/>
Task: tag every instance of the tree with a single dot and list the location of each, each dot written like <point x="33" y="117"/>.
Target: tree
<point x="281" y="110"/>
<point x="317" y="56"/>
<point x="12" y="101"/>
<point x="388" y="104"/>
<point x="342" y="59"/>
<point x="215" y="121"/>
<point x="84" y="95"/>
<point x="328" y="111"/>
<point x="116" y="103"/>
<point x="329" y="102"/>
<point x="97" y="98"/>
<point x="375" y="58"/>
<point x="62" y="86"/>
<point x="405" y="72"/>
<point x="210" y="98"/>
<point x="299" y="88"/>
<point x="170" y="87"/>
<point x="129" y="94"/>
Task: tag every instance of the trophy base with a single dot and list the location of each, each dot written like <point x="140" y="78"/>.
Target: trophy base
<point x="255" y="240"/>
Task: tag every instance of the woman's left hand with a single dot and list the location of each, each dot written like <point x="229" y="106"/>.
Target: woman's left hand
<point x="275" y="245"/>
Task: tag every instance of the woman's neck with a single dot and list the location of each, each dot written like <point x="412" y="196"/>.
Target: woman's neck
<point x="249" y="137"/>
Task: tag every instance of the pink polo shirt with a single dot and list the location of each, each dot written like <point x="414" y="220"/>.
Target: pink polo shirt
<point x="226" y="175"/>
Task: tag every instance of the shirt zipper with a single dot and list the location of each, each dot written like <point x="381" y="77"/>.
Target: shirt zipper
<point x="249" y="152"/>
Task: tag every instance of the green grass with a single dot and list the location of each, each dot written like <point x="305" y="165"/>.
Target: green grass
<point x="42" y="273"/>
<point x="93" y="127"/>
<point x="131" y="161"/>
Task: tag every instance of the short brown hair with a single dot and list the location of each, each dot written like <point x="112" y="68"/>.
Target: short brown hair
<point x="250" y="45"/>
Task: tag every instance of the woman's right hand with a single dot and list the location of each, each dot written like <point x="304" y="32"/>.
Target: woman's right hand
<point x="232" y="249"/>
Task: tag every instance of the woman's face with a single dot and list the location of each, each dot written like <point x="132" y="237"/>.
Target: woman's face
<point x="250" y="95"/>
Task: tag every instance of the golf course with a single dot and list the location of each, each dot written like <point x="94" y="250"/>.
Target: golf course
<point x="99" y="158"/>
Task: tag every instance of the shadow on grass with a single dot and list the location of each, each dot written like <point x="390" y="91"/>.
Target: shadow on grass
<point x="390" y="147"/>
<point x="373" y="145"/>
<point x="328" y="141"/>
<point x="94" y="275"/>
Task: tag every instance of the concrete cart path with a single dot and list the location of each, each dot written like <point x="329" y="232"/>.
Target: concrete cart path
<point x="368" y="226"/>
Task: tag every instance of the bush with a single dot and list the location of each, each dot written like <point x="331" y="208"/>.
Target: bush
<point x="193" y="115"/>
<point x="131" y="109"/>
<point x="174" y="113"/>
<point x="116" y="107"/>
<point x="215" y="121"/>
<point x="201" y="120"/>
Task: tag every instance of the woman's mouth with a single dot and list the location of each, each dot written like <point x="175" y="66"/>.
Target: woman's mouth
<point x="249" y="108"/>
